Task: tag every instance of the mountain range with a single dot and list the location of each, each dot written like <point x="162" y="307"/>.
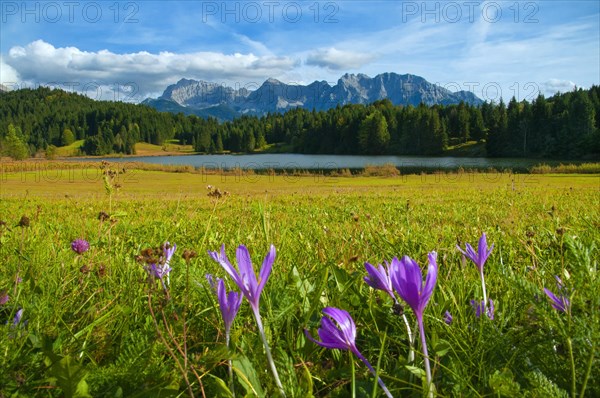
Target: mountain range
<point x="223" y="102"/>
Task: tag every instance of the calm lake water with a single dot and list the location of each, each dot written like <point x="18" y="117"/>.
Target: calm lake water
<point x="328" y="162"/>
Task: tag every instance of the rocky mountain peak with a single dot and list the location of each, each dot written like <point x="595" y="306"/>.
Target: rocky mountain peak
<point x="275" y="96"/>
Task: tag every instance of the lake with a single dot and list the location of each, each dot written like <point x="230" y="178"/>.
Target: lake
<point x="290" y="161"/>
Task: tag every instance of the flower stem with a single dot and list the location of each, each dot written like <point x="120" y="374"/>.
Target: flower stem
<point x="484" y="293"/>
<point x="411" y="340"/>
<point x="229" y="365"/>
<point x="425" y="356"/>
<point x="411" y="336"/>
<point x="267" y="350"/>
<point x="573" y="380"/>
<point x="353" y="375"/>
<point x="588" y="371"/>
<point x="368" y="365"/>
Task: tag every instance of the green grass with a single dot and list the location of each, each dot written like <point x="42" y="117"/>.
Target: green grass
<point x="470" y="148"/>
<point x="89" y="327"/>
<point x="171" y="147"/>
<point x="69" y="150"/>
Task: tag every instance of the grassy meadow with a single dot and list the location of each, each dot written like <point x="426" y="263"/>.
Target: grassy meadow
<point x="95" y="325"/>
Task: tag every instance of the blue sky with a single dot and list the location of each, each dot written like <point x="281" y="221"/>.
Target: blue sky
<point x="130" y="50"/>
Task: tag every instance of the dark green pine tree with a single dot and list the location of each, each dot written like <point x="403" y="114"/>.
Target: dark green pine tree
<point x="497" y="140"/>
<point x="373" y="134"/>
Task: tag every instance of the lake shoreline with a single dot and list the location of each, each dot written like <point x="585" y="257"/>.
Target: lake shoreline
<point x="308" y="165"/>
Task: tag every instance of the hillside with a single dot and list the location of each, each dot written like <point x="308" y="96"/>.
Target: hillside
<point x="565" y="126"/>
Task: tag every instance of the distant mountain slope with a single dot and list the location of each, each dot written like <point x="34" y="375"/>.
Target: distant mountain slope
<point x="210" y="99"/>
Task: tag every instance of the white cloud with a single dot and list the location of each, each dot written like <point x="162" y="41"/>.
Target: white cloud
<point x="42" y="63"/>
<point x="333" y="58"/>
<point x="8" y="75"/>
<point x="554" y="86"/>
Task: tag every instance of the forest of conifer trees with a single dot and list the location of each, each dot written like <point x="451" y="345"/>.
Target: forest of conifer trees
<point x="565" y="126"/>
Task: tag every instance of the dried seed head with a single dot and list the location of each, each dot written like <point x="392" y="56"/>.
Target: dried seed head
<point x="24" y="221"/>
<point x="85" y="269"/>
<point x="189" y="254"/>
<point x="103" y="216"/>
<point x="149" y="256"/>
<point x="101" y="272"/>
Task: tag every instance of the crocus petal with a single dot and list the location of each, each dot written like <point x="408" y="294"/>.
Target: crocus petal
<point x="430" y="281"/>
<point x="559" y="304"/>
<point x="448" y="318"/>
<point x="214" y="255"/>
<point x="168" y="252"/>
<point x="229" y="304"/>
<point x="246" y="271"/>
<point x="373" y="277"/>
<point x="379" y="278"/>
<point x="490" y="310"/>
<point x="477" y="307"/>
<point x="330" y="345"/>
<point x="222" y="298"/>
<point x="341" y="334"/>
<point x="265" y="270"/>
<point x="17" y="318"/>
<point x="345" y="322"/>
<point x="407" y="282"/>
<point x="331" y="334"/>
<point x="482" y="248"/>
<point x="222" y="259"/>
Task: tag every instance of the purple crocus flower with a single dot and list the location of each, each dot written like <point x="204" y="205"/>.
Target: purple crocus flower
<point x="559" y="303"/>
<point x="448" y="318"/>
<point x="479" y="257"/>
<point x="159" y="271"/>
<point x="251" y="288"/>
<point x="408" y="283"/>
<point x="379" y="279"/>
<point x="341" y="335"/>
<point x="17" y="318"/>
<point x="80" y="246"/>
<point x="245" y="278"/>
<point x="481" y="307"/>
<point x="229" y="304"/>
<point x="162" y="269"/>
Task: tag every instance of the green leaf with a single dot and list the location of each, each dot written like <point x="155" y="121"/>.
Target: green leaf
<point x="70" y="376"/>
<point x="503" y="384"/>
<point x="221" y="388"/>
<point x="247" y="376"/>
<point x="442" y="347"/>
<point x="416" y="371"/>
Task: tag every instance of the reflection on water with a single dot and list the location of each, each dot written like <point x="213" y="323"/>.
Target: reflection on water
<point x="330" y="162"/>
